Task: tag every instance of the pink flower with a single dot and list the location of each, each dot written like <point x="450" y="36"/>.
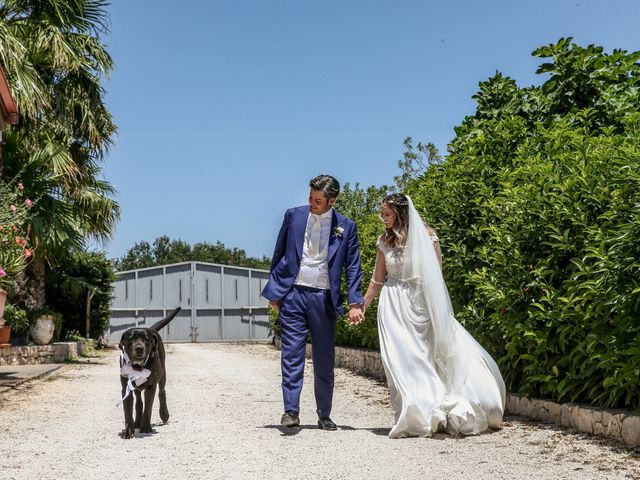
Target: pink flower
<point x="28" y="203"/>
<point x="20" y="187"/>
<point x="28" y="252"/>
<point x="13" y="208"/>
<point x="2" y="272"/>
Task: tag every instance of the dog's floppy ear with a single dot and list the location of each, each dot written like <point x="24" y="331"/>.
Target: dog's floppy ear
<point x="124" y="340"/>
<point x="154" y="340"/>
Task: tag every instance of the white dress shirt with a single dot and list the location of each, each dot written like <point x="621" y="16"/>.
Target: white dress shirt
<point x="314" y="267"/>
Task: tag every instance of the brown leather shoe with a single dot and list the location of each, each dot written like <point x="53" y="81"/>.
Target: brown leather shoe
<point x="290" y="419"/>
<point x="325" y="423"/>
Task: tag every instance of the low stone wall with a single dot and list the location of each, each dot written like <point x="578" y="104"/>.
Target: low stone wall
<point x="359" y="360"/>
<point x="36" y="354"/>
<point x="619" y="425"/>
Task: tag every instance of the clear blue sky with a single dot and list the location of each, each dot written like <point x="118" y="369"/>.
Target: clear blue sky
<point x="226" y="108"/>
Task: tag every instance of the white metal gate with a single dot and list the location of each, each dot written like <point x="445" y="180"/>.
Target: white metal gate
<point x="219" y="302"/>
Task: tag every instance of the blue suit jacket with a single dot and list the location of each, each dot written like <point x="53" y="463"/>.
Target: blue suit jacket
<point x="343" y="254"/>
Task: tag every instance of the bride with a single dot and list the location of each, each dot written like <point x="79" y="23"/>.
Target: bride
<point x="439" y="376"/>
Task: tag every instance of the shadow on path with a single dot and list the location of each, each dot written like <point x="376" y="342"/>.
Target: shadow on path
<point x="287" y="432"/>
<point x="383" y="432"/>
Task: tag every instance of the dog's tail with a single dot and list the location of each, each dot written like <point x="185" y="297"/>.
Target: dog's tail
<point x="163" y="323"/>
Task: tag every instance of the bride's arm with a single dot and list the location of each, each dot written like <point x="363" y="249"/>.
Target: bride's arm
<point x="377" y="280"/>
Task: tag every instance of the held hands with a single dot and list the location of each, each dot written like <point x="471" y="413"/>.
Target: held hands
<point x="356" y="314"/>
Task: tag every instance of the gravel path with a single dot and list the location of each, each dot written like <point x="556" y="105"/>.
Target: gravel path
<point x="225" y="406"/>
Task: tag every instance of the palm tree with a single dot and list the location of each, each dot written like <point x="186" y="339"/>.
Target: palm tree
<point x="54" y="60"/>
<point x="63" y="217"/>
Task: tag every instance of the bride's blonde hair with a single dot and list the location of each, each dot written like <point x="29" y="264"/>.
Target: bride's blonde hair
<point x="396" y="237"/>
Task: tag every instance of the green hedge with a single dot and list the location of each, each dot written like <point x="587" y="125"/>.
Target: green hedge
<point x="538" y="208"/>
<point x="544" y="265"/>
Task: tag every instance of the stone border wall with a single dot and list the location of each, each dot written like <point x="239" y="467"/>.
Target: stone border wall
<point x="37" y="354"/>
<point x="617" y="424"/>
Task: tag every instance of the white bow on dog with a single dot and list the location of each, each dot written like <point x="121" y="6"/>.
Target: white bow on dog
<point x="137" y="377"/>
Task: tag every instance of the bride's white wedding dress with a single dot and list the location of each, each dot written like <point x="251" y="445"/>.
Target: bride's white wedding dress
<point x="426" y="394"/>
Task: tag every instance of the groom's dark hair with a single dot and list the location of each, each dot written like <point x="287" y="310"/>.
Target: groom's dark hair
<point x="326" y="184"/>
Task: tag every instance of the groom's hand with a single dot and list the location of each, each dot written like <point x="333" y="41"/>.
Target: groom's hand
<point x="275" y="305"/>
<point x="356" y="314"/>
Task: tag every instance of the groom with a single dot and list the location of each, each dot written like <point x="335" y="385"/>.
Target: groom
<point x="314" y="246"/>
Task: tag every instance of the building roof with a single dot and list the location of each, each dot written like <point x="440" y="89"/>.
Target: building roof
<point x="8" y="108"/>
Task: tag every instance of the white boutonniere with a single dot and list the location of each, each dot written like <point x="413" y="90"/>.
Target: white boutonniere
<point x="337" y="232"/>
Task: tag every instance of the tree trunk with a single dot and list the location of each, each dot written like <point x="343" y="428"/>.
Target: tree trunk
<point x="24" y="291"/>
<point x="1" y="155"/>
<point x="88" y="313"/>
<point x="35" y="271"/>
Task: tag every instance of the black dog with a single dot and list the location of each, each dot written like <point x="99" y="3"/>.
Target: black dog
<point x="142" y="368"/>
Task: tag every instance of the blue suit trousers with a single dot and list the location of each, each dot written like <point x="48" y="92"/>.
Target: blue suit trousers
<point x="307" y="309"/>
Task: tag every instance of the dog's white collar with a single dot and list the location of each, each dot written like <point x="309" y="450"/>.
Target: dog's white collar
<point x="134" y="377"/>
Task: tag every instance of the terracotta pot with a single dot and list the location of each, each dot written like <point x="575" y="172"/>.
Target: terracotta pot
<point x="42" y="331"/>
<point x="5" y="334"/>
<point x="3" y="297"/>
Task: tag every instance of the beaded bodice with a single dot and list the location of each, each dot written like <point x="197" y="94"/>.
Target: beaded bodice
<point x="393" y="259"/>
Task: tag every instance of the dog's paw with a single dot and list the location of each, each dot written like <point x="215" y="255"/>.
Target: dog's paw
<point x="128" y="432"/>
<point x="147" y="430"/>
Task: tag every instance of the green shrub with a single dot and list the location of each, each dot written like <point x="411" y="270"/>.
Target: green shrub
<point x="86" y="274"/>
<point x="274" y="322"/>
<point x="538" y="208"/>
<point x="548" y="276"/>
<point x="16" y="318"/>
